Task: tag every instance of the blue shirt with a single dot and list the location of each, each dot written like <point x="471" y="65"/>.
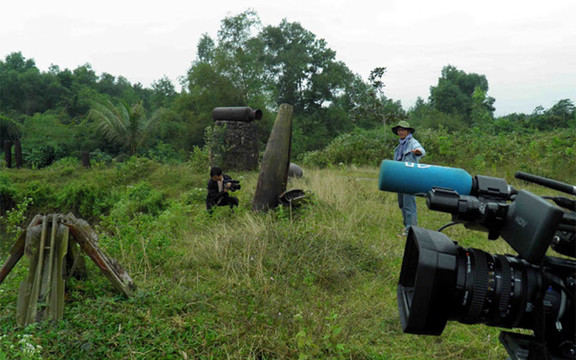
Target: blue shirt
<point x="408" y="155"/>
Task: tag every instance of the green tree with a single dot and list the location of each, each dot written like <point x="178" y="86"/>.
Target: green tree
<point x="125" y="125"/>
<point x="9" y="129"/>
<point x="455" y="90"/>
<point x="163" y="92"/>
<point x="480" y="114"/>
<point x="238" y="55"/>
<point x="424" y="115"/>
<point x="563" y="114"/>
<point x="300" y="69"/>
<point x="22" y="88"/>
<point x="367" y="104"/>
<point x="205" y="49"/>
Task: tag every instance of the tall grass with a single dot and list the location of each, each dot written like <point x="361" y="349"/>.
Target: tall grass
<point x="316" y="282"/>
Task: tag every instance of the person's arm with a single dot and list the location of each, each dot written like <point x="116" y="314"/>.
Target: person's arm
<point x="417" y="149"/>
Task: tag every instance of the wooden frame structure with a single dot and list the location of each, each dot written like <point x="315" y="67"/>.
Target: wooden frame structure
<point x="46" y="242"/>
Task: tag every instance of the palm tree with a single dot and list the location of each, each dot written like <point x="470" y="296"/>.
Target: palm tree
<point x="126" y="125"/>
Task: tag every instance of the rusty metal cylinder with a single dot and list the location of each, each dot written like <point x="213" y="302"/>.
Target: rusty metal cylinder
<point x="245" y="114"/>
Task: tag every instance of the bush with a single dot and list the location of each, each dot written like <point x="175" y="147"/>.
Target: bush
<point x="42" y="156"/>
<point x="140" y="198"/>
<point x="200" y="159"/>
<point x="83" y="200"/>
<point x="100" y="158"/>
<point x="360" y="147"/>
<point x="164" y="154"/>
<point x="7" y="194"/>
<point x="134" y="169"/>
<point x="546" y="154"/>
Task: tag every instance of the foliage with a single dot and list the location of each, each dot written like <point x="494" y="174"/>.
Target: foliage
<point x="84" y="200"/>
<point x="307" y="283"/>
<point x="454" y="93"/>
<point x="99" y="158"/>
<point x="134" y="168"/>
<point x="9" y="129"/>
<point x="123" y="124"/>
<point x="199" y="159"/>
<point x="547" y="154"/>
<point x="247" y="64"/>
<point x="359" y="148"/>
<point x="215" y="139"/>
<point x="7" y="189"/>
<point x="14" y="218"/>
<point x="163" y="153"/>
<point x="139" y="198"/>
<point x="43" y="155"/>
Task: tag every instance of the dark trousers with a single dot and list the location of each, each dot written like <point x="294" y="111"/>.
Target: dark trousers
<point x="225" y="201"/>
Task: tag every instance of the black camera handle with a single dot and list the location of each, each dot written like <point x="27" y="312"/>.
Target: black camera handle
<point x="549" y="183"/>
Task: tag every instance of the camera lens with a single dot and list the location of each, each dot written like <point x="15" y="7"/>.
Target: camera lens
<point x="441" y="281"/>
<point x="496" y="290"/>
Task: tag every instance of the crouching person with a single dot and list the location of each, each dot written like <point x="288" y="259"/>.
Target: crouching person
<point x="218" y="188"/>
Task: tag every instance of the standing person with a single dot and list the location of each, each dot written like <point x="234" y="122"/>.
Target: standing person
<point x="218" y="187"/>
<point x="408" y="150"/>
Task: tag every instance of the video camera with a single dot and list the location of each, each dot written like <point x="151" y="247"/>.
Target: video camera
<point x="232" y="185"/>
<point x="441" y="281"/>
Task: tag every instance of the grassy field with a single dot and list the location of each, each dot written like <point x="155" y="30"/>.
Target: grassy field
<point x="317" y="282"/>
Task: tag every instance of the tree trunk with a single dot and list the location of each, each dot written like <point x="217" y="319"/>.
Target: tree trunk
<point x="8" y="153"/>
<point x="86" y="159"/>
<point x="18" y="153"/>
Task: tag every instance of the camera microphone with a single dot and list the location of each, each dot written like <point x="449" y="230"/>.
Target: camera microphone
<point x="412" y="178"/>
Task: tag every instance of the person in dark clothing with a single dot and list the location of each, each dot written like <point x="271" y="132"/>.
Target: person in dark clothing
<point x="218" y="190"/>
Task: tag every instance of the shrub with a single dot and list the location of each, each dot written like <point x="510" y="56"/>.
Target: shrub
<point x="360" y="147"/>
<point x="140" y="198"/>
<point x="100" y="158"/>
<point x="42" y="194"/>
<point x="42" y="156"/>
<point x="199" y="159"/>
<point x="134" y="169"/>
<point x="7" y="194"/>
<point x="164" y="154"/>
<point x="84" y="200"/>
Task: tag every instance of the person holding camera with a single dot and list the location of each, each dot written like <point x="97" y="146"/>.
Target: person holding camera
<point x="218" y="187"/>
<point x="408" y="150"/>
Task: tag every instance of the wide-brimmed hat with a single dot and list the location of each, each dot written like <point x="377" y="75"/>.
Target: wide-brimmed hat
<point x="403" y="124"/>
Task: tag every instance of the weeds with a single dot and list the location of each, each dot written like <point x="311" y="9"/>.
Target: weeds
<point x="315" y="282"/>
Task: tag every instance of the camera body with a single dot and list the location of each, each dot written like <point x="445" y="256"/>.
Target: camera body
<point x="232" y="185"/>
<point x="441" y="281"/>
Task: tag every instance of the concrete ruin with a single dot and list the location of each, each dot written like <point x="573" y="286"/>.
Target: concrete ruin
<point x="237" y="145"/>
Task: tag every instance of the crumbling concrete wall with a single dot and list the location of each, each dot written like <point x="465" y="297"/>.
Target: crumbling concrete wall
<point x="235" y="145"/>
<point x="240" y="146"/>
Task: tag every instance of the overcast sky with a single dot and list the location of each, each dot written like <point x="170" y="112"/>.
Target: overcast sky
<point x="525" y="48"/>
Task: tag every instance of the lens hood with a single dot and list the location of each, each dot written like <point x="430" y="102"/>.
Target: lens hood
<point x="428" y="271"/>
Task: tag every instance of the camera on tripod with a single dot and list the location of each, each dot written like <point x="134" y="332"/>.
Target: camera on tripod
<point x="441" y="281"/>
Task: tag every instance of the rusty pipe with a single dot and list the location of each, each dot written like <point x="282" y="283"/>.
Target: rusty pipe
<point x="245" y="114"/>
